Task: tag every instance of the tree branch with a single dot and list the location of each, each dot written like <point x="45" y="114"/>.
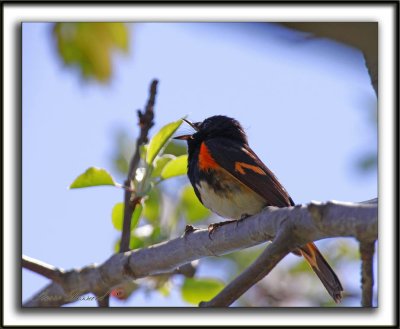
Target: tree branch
<point x="271" y="256"/>
<point x="280" y="247"/>
<point x="301" y="224"/>
<point x="146" y="121"/>
<point x="42" y="268"/>
<point x="367" y="249"/>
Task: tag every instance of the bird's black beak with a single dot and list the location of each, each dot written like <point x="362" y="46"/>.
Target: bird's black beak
<point x="186" y="137"/>
<point x="191" y="124"/>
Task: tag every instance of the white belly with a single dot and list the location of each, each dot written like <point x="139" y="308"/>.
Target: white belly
<point x="241" y="201"/>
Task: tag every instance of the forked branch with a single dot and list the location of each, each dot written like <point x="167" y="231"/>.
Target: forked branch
<point x="298" y="225"/>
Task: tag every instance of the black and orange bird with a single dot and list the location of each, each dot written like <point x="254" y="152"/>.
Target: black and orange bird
<point x="230" y="179"/>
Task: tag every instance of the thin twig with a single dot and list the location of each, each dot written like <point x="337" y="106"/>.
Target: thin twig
<point x="367" y="249"/>
<point x="42" y="268"/>
<point x="146" y="121"/>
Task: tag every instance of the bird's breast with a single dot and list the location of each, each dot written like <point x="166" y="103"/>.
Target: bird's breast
<point x="227" y="196"/>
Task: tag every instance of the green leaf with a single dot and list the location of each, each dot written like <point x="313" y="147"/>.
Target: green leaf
<point x="117" y="215"/>
<point x="175" y="167"/>
<point x="135" y="242"/>
<point x="160" y="163"/>
<point x="176" y="148"/>
<point x="197" y="290"/>
<point x="119" y="35"/>
<point x="157" y="235"/>
<point x="93" y="177"/>
<point x="89" y="46"/>
<point x="159" y="140"/>
<point x="152" y="206"/>
<point x="165" y="289"/>
<point x="192" y="208"/>
<point x="136" y="215"/>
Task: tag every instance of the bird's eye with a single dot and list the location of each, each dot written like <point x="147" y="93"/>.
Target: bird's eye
<point x="202" y="125"/>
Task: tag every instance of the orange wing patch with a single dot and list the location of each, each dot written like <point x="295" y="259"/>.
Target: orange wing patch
<point x="206" y="161"/>
<point x="239" y="167"/>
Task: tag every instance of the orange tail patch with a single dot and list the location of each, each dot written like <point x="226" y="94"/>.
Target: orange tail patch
<point x="323" y="270"/>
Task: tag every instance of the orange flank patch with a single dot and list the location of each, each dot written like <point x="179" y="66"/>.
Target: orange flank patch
<point x="239" y="167"/>
<point x="206" y="161"/>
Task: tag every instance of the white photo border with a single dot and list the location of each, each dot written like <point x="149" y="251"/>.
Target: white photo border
<point x="386" y="13"/>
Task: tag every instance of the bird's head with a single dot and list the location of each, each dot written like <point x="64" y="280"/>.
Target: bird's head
<point x="218" y="126"/>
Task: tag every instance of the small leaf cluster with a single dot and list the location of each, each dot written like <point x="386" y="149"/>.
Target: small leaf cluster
<point x="154" y="168"/>
<point x="156" y="215"/>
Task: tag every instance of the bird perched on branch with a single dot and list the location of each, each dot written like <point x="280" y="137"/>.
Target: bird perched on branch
<point x="230" y="179"/>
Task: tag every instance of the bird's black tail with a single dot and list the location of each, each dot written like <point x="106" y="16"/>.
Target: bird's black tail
<point x="321" y="267"/>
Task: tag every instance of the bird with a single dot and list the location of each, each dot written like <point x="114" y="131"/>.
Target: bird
<point x="230" y="179"/>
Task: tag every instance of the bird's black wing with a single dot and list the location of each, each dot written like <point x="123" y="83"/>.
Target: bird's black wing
<point x="244" y="165"/>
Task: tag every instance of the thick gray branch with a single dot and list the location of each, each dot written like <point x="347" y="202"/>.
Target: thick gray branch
<point x="283" y="243"/>
<point x="301" y="223"/>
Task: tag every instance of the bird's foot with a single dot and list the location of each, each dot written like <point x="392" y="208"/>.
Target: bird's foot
<point x="188" y="230"/>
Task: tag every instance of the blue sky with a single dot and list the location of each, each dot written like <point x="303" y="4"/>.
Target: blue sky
<point x="304" y="104"/>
